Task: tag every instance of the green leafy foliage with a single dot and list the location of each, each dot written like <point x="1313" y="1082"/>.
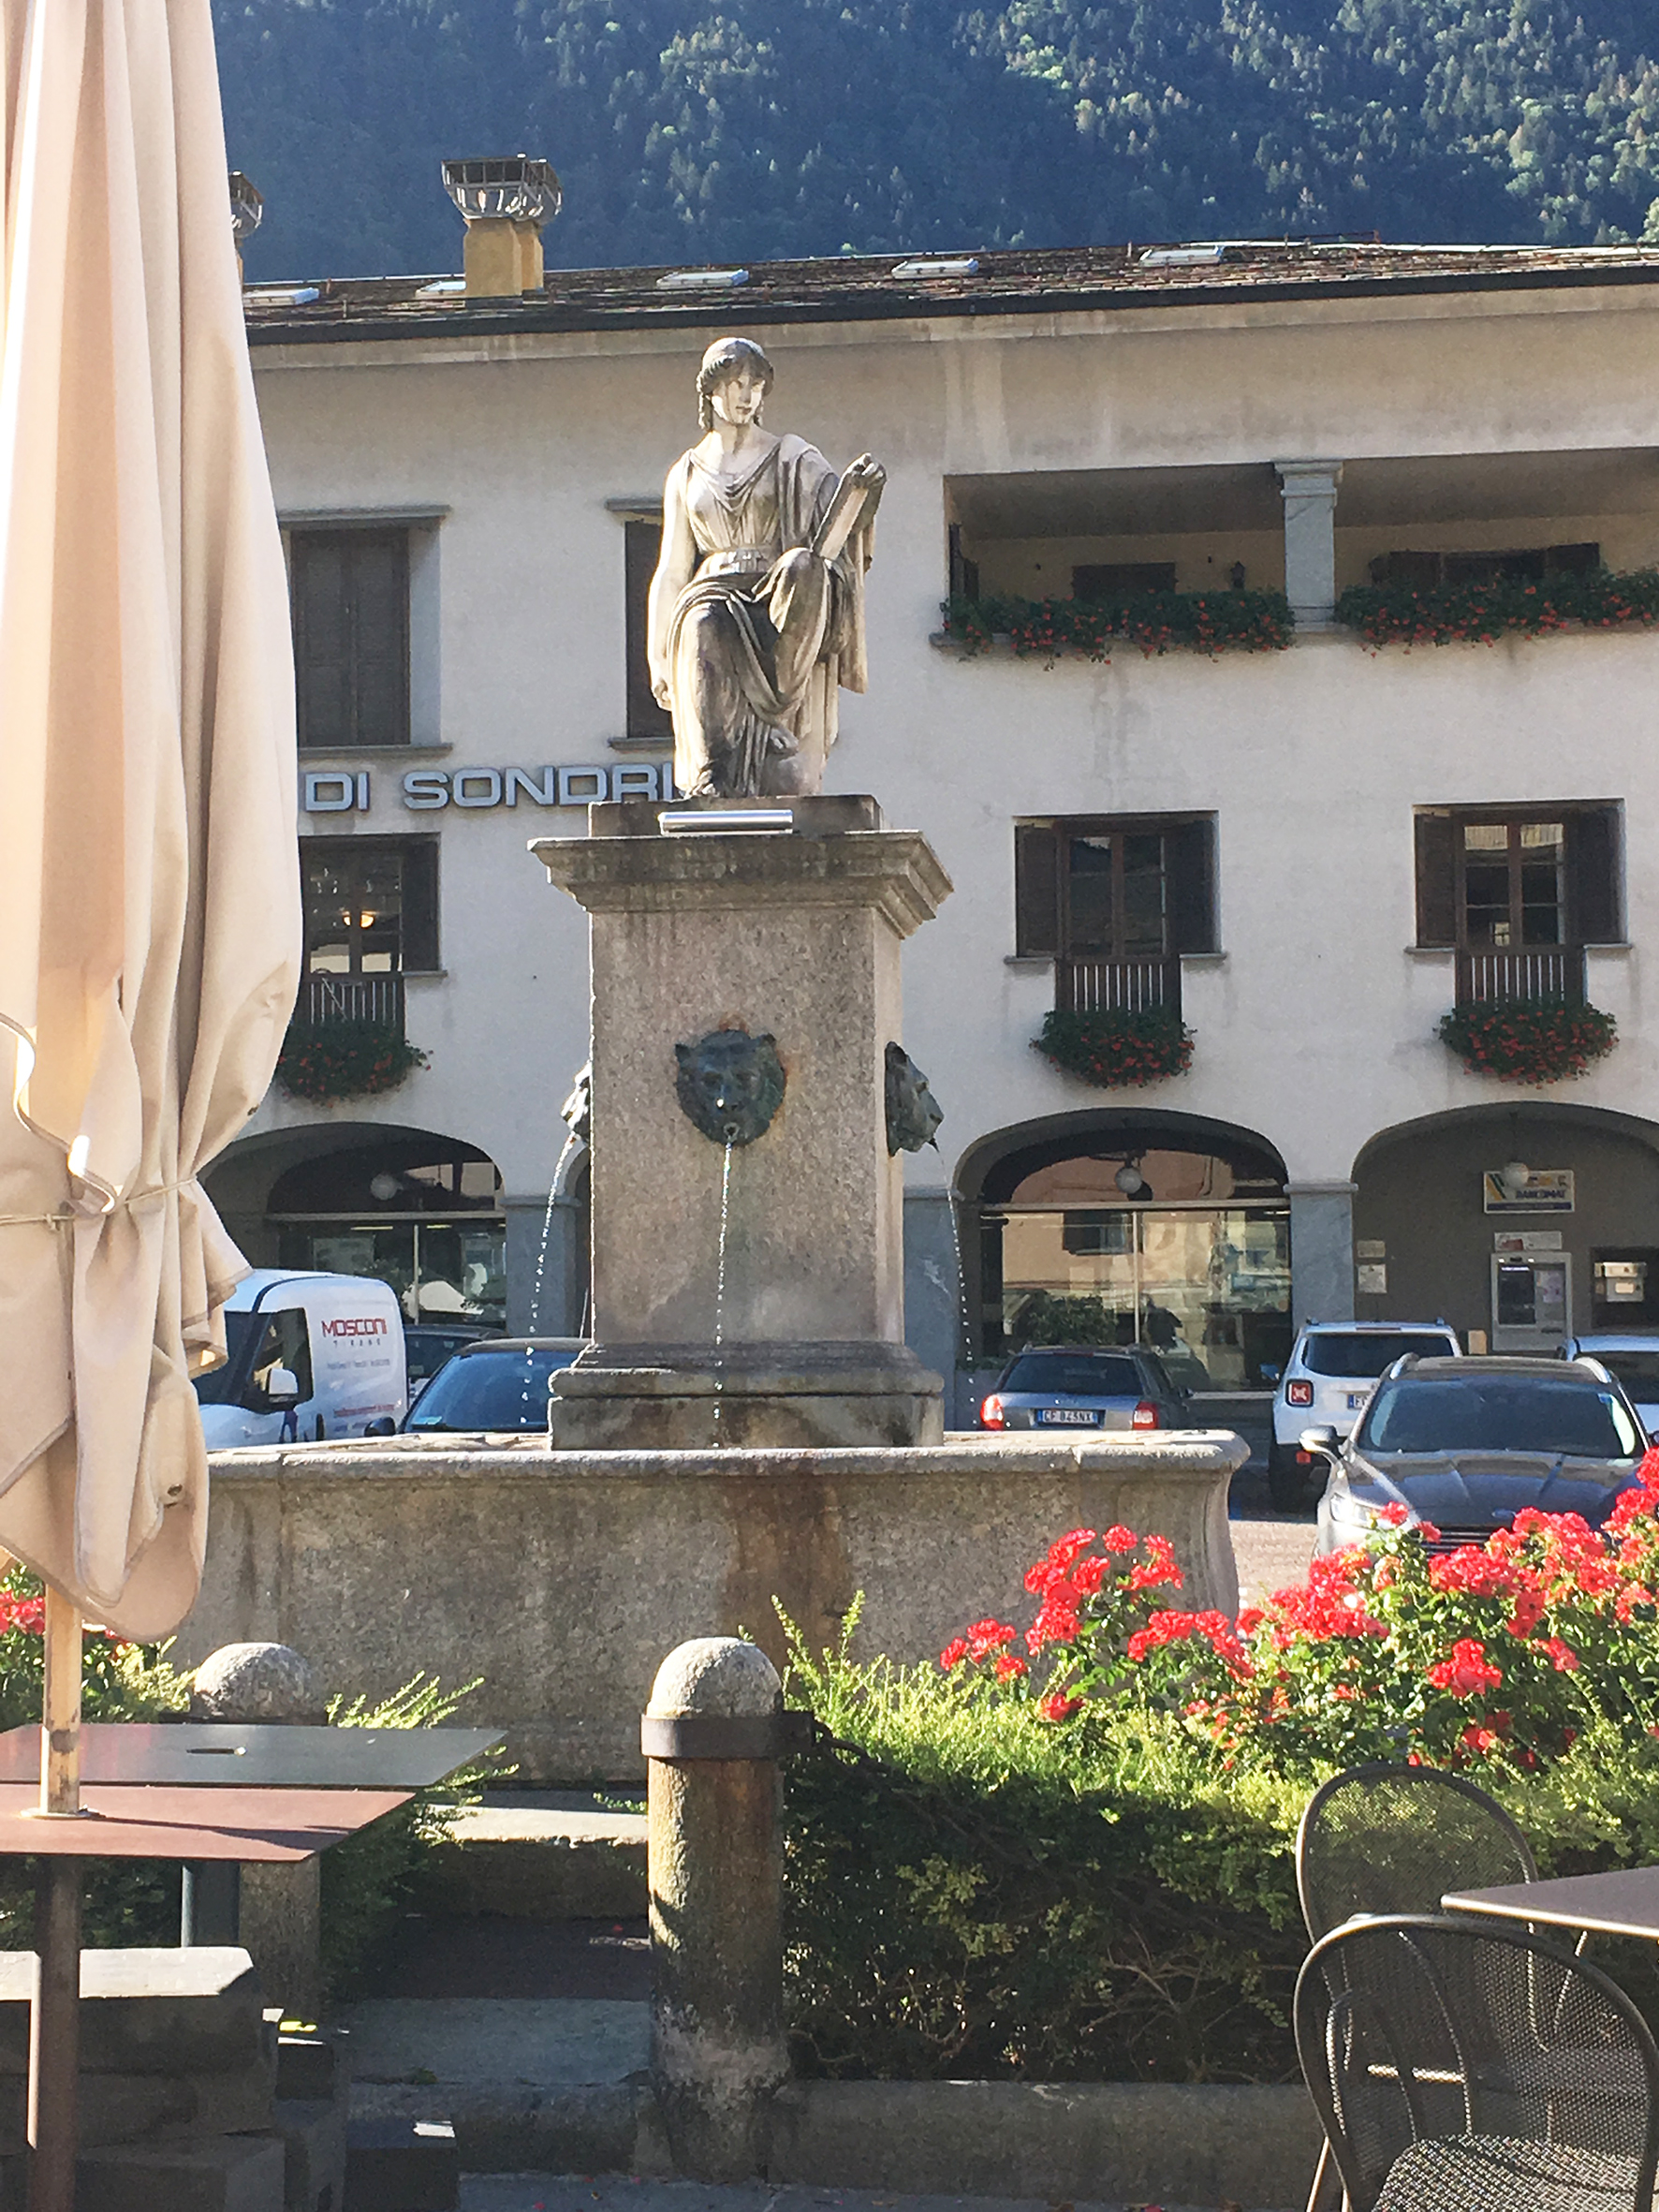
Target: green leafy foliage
<point x="1154" y="622"/>
<point x="1120" y="1048"/>
<point x="1070" y="1855"/>
<point x="1042" y="1318"/>
<point x="345" y="1059"/>
<point x="1534" y="1040"/>
<point x="760" y="129"/>
<point x="1480" y="613"/>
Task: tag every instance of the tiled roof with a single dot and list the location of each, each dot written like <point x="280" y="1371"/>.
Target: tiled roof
<point x="864" y="288"/>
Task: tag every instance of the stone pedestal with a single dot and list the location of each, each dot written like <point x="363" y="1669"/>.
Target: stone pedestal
<point x="795" y="933"/>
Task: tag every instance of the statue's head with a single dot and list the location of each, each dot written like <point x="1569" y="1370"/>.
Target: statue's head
<point x="725" y="359"/>
<point x="730" y="1084"/>
<point x="913" y="1112"/>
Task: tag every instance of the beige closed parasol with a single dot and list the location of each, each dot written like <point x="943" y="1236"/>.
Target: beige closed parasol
<point x="149" y="898"/>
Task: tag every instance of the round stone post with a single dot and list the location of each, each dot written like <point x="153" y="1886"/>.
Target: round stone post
<point x="712" y="1735"/>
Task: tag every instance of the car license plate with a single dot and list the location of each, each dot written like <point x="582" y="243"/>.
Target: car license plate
<point x="1356" y="1399"/>
<point x="1068" y="1417"/>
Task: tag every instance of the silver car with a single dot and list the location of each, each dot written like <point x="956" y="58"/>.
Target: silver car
<point x="1631" y="1357"/>
<point x="1080" y="1386"/>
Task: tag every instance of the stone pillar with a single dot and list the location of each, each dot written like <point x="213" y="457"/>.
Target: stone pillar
<point x="275" y="1913"/>
<point x="1321" y="1251"/>
<point x="795" y="934"/>
<point x="558" y="1312"/>
<point x="712" y="1734"/>
<point x="1309" y="489"/>
<point x="933" y="1293"/>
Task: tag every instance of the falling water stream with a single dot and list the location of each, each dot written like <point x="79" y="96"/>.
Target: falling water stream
<point x="720" y="1284"/>
<point x="953" y="1201"/>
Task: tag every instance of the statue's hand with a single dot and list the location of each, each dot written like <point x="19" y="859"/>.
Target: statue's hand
<point x="867" y="469"/>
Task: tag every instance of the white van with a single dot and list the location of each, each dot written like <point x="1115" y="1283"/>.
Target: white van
<point x="312" y="1357"/>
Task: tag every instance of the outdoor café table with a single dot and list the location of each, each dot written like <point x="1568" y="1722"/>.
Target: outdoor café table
<point x="128" y="1761"/>
<point x="1625" y="1902"/>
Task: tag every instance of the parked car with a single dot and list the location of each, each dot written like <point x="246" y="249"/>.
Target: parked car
<point x="498" y="1382"/>
<point x="427" y="1344"/>
<point x="312" y="1357"/>
<point x="1465" y="1443"/>
<point x="1632" y="1359"/>
<point x="1076" y="1386"/>
<point x="1331" y="1370"/>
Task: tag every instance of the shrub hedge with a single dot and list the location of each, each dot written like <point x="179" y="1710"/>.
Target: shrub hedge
<point x="1070" y="1855"/>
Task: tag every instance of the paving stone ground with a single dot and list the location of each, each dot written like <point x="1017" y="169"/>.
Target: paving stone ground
<point x="568" y="2192"/>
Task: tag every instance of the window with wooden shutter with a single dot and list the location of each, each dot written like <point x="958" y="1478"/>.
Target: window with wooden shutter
<point x="1126" y="888"/>
<point x="1594" y="904"/>
<point x="1037" y="891"/>
<point x="1437" y="916"/>
<point x="350" y="596"/>
<point x="641" y="542"/>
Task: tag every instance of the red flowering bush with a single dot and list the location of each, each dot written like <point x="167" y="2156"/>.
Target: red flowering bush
<point x="119" y="1681"/>
<point x="1534" y="1040"/>
<point x="345" y="1060"/>
<point x="1120" y="1047"/>
<point x="1156" y="622"/>
<point x="1503" y="1651"/>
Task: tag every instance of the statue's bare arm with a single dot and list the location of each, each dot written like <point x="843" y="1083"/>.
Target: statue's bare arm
<point x="675" y="568"/>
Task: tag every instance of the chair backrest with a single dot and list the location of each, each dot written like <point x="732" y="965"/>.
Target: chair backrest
<point x="1446" y="2043"/>
<point x="1386" y="1838"/>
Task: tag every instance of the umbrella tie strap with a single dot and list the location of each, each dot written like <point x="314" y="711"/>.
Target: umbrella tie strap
<point x="63" y="1215"/>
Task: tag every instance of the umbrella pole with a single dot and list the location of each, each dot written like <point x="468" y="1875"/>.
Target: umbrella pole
<point x="54" y="2024"/>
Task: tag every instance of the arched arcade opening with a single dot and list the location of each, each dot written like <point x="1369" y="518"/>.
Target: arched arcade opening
<point x="1522" y="1223"/>
<point x="1120" y="1226"/>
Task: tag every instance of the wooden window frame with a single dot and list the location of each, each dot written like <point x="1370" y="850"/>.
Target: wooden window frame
<point x="418" y="894"/>
<point x="1441" y="906"/>
<point x="1030" y="888"/>
<point x="348" y="540"/>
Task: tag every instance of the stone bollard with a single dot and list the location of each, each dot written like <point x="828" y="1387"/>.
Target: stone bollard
<point x="713" y="1736"/>
<point x="275" y="1913"/>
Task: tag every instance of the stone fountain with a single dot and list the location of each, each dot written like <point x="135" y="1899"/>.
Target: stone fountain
<point x="747" y="1195"/>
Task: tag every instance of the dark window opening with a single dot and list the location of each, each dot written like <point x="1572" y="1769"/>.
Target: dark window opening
<point x="1425" y="571"/>
<point x="1518" y="894"/>
<point x="641" y="544"/>
<point x="370" y="906"/>
<point x="350" y="598"/>
<point x="964" y="573"/>
<point x="1115" y="904"/>
<point x="1121" y="579"/>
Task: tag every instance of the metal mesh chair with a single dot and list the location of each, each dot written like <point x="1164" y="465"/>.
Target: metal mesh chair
<point x="1387" y="1839"/>
<point x="1383" y="1839"/>
<point x="1462" y="2068"/>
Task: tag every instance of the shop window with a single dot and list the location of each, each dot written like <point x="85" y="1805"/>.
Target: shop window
<point x="1512" y="882"/>
<point x="1426" y="572"/>
<point x="641" y="542"/>
<point x="1136" y="888"/>
<point x="1121" y="579"/>
<point x="350" y="590"/>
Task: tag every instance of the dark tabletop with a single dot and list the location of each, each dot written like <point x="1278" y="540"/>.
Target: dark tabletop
<point x="1622" y="1903"/>
<point x="269" y="1827"/>
<point x="226" y="1754"/>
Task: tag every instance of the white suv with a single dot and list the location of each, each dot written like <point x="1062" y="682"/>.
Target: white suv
<point x="1332" y="1369"/>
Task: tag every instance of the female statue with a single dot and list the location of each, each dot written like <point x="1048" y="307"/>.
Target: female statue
<point x="757" y="610"/>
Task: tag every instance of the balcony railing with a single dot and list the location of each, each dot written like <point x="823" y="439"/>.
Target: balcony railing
<point x="1110" y="986"/>
<point x="1525" y="971"/>
<point x="325" y="1000"/>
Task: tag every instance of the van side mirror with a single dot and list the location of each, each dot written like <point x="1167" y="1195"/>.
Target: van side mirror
<point x="282" y="1390"/>
<point x="385" y="1426"/>
<point x="1323" y="1439"/>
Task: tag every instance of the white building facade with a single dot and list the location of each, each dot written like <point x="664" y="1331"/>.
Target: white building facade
<point x="1315" y="853"/>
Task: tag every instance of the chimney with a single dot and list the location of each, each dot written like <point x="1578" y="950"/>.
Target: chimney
<point x="504" y="200"/>
<point x="247" y="209"/>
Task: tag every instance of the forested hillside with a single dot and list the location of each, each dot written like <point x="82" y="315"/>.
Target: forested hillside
<point x="690" y="130"/>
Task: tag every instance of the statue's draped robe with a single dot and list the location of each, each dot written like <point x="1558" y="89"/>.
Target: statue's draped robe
<point x="765" y="634"/>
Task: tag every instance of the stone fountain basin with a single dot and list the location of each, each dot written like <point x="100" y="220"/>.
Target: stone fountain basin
<point x="562" y="1577"/>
